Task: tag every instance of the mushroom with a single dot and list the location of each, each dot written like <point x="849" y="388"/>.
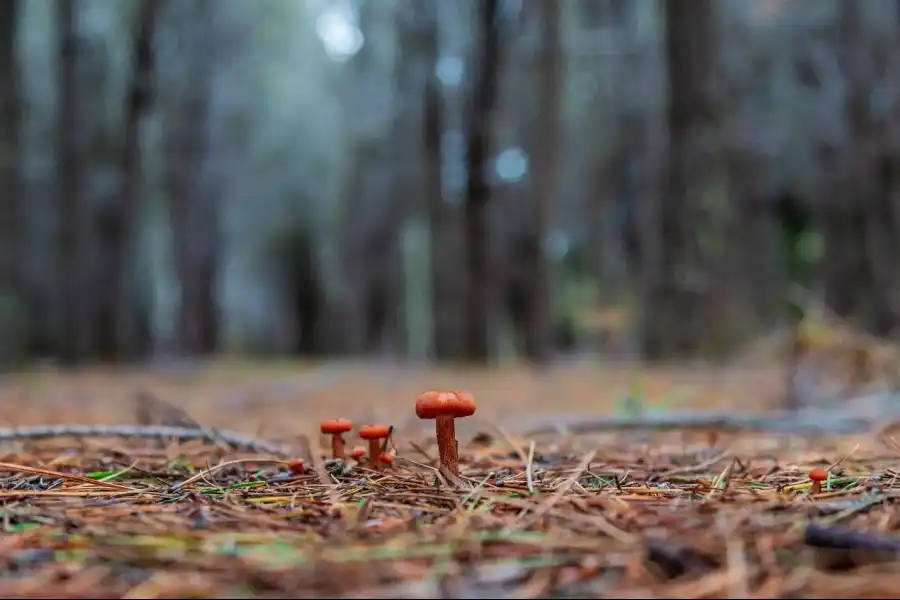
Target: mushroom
<point x="386" y="458"/>
<point x="336" y="428"/>
<point x="374" y="434"/>
<point x="358" y="453"/>
<point x="297" y="466"/>
<point x="444" y="407"/>
<point x="817" y="475"/>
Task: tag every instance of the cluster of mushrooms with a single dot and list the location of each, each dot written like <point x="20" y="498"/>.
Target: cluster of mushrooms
<point x="374" y="434"/>
<point x="441" y="406"/>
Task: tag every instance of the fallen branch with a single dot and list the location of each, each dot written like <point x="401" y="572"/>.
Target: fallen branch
<point x="838" y="538"/>
<point x="842" y="548"/>
<point x="231" y="438"/>
<point x="791" y="423"/>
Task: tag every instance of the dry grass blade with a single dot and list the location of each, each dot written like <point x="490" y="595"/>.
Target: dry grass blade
<point x="560" y="492"/>
<point x="69" y="476"/>
<point x="529" y="468"/>
<point x="223" y="465"/>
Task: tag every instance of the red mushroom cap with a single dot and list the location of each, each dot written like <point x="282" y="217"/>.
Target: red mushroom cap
<point x="297" y="466"/>
<point x="818" y="474"/>
<point x="374" y="432"/>
<point x="333" y="426"/>
<point x="358" y="452"/>
<point x="451" y="403"/>
<point x="387" y="458"/>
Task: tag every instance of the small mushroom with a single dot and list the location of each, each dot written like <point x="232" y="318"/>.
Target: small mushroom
<point x="387" y="458"/>
<point x="374" y="434"/>
<point x="444" y="407"/>
<point x="358" y="453"/>
<point x="336" y="428"/>
<point x="817" y="476"/>
<point x="297" y="466"/>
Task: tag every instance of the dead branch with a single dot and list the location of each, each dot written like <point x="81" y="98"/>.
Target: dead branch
<point x="789" y="423"/>
<point x="145" y="431"/>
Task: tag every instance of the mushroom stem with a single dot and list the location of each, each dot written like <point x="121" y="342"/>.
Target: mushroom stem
<point x="445" y="432"/>
<point x="337" y="445"/>
<point x="816" y="488"/>
<point x="375" y="453"/>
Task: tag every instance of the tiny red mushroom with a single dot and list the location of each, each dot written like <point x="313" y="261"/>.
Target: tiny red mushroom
<point x="386" y="458"/>
<point x="297" y="466"/>
<point x="374" y="434"/>
<point x="817" y="475"/>
<point x="358" y="453"/>
<point x="444" y="407"/>
<point x="336" y="428"/>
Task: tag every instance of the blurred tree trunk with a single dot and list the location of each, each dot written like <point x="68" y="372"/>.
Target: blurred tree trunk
<point x="538" y="337"/>
<point x="676" y="273"/>
<point x="842" y="216"/>
<point x="486" y="66"/>
<point x="857" y="214"/>
<point x="138" y="99"/>
<point x="11" y="292"/>
<point x="73" y="217"/>
<point x="352" y="288"/>
<point x="409" y="281"/>
<point x="194" y="208"/>
<point x="446" y="342"/>
<point x="869" y="161"/>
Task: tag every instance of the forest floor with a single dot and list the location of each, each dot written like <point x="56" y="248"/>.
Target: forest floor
<point x="626" y="514"/>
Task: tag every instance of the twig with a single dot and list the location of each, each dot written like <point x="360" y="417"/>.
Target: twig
<point x="529" y="468"/>
<point x="698" y="468"/>
<point x="209" y="471"/>
<point x="514" y="444"/>
<point x="144" y="431"/>
<point x="819" y="536"/>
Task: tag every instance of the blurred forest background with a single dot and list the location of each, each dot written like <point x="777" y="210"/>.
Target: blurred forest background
<point x="417" y="179"/>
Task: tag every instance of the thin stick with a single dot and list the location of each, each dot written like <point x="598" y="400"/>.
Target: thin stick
<point x="228" y="463"/>
<point x="699" y="467"/>
<point x="529" y="468"/>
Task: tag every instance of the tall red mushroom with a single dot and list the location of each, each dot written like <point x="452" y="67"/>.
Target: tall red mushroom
<point x="444" y="407"/>
<point x="336" y="428"/>
<point x="374" y="434"/>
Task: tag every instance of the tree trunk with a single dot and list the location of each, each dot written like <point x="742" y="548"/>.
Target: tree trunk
<point x="478" y="150"/>
<point x="871" y="162"/>
<point x="538" y="340"/>
<point x="12" y="311"/>
<point x="445" y="334"/>
<point x="857" y="215"/>
<point x="75" y="302"/>
<point x="845" y="273"/>
<point x="193" y="199"/>
<point x="676" y="278"/>
<point x="138" y="100"/>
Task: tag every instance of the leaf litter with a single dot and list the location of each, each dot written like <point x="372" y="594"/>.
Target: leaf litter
<point x="621" y="514"/>
<point x="592" y="518"/>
